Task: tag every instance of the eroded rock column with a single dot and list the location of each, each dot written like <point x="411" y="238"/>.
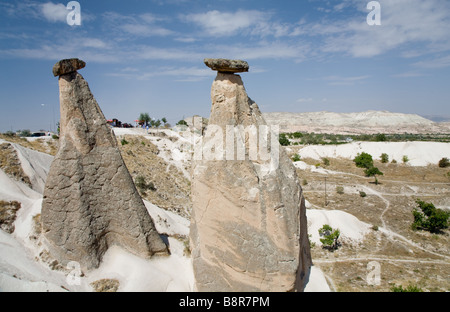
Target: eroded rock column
<point x="90" y="201"/>
<point x="248" y="225"/>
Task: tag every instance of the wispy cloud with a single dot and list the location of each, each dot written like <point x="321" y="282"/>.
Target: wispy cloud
<point x="216" y="23"/>
<point x="438" y="62"/>
<point x="142" y="25"/>
<point x="345" y="81"/>
<point x="304" y="100"/>
<point x="409" y="74"/>
<point x="184" y="74"/>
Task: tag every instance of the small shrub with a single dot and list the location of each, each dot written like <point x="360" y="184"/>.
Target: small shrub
<point x="284" y="141"/>
<point x="311" y="244"/>
<point x="409" y="288"/>
<point x="305" y="182"/>
<point x="140" y="183"/>
<point x="124" y="142"/>
<point x="330" y="238"/>
<point x="429" y="218"/>
<point x="296" y="157"/>
<point x="375" y="227"/>
<point x="384" y="158"/>
<point x="187" y="247"/>
<point x="143" y="186"/>
<point x="393" y="161"/>
<point x="405" y="159"/>
<point x="380" y="137"/>
<point x="362" y="194"/>
<point x="55" y="137"/>
<point x="444" y="163"/>
<point x="9" y="134"/>
<point x="340" y="190"/>
<point x="326" y="161"/>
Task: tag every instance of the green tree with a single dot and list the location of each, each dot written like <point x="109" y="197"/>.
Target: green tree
<point x="144" y="119"/>
<point x="182" y="122"/>
<point x="429" y="218"/>
<point x="25" y="133"/>
<point x="157" y="123"/>
<point x="284" y="141"/>
<point x="373" y="172"/>
<point x="384" y="158"/>
<point x="444" y="163"/>
<point x="330" y="238"/>
<point x="405" y="159"/>
<point x="363" y="160"/>
<point x="380" y="137"/>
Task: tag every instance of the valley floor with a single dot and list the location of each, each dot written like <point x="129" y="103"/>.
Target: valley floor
<point x="379" y="248"/>
<point x="389" y="249"/>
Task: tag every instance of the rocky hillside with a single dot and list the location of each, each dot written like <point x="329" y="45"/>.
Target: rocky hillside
<point x="369" y="122"/>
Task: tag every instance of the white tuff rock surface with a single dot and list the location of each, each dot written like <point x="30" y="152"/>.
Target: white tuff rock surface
<point x="248" y="225"/>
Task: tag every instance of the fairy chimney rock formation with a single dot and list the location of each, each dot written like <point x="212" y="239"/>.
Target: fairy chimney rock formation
<point x="90" y="201"/>
<point x="248" y="224"/>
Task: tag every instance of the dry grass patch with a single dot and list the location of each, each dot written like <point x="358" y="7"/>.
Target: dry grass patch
<point x="159" y="182"/>
<point x="105" y="285"/>
<point x="8" y="212"/>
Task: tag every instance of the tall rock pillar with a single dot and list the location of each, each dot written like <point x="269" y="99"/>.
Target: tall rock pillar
<point x="248" y="225"/>
<point x="90" y="201"/>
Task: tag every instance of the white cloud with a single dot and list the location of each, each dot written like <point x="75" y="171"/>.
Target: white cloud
<point x="304" y="100"/>
<point x="54" y="12"/>
<point x="216" y="23"/>
<point x="403" y="22"/>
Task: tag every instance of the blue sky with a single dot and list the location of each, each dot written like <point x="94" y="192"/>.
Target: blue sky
<point x="304" y="56"/>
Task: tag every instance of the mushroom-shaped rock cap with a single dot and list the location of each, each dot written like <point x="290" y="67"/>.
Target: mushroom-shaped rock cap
<point x="227" y="66"/>
<point x="68" y="66"/>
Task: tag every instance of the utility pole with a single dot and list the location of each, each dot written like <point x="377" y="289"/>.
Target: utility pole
<point x="326" y="202"/>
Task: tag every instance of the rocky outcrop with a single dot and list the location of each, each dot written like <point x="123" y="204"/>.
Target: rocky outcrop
<point x="370" y="122"/>
<point x="248" y="225"/>
<point x="90" y="201"/>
